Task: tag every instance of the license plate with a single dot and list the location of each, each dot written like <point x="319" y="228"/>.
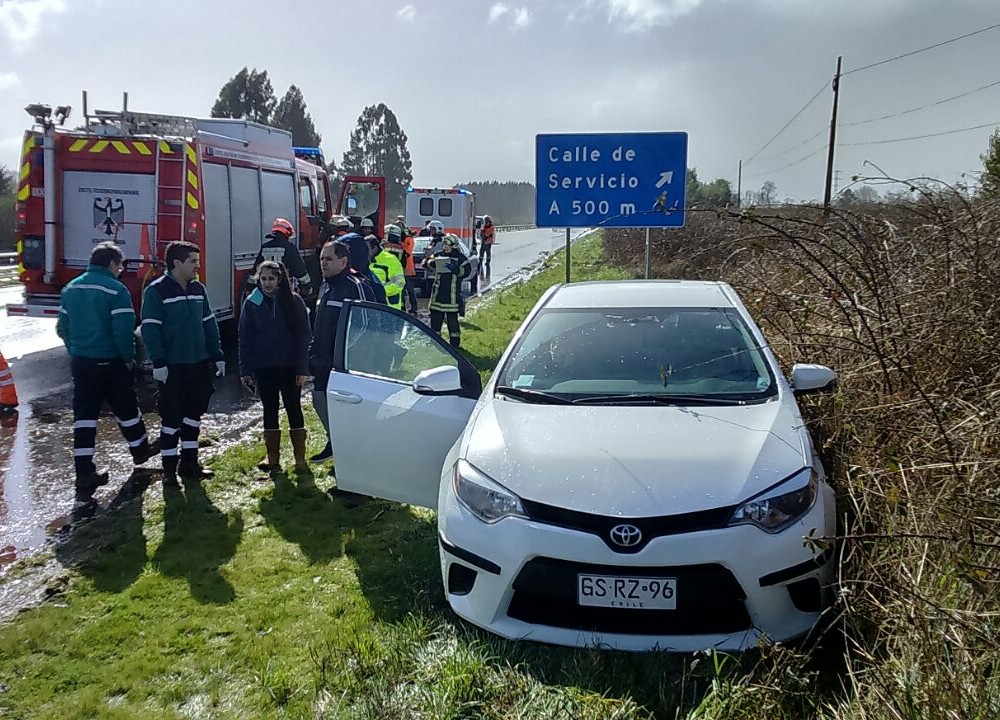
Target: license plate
<point x="636" y="593"/>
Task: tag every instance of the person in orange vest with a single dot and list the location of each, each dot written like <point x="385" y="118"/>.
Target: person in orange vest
<point x="409" y="268"/>
<point x="488" y="235"/>
<point x="8" y="395"/>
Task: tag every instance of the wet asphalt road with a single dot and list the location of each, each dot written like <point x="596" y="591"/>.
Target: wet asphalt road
<point x="36" y="447"/>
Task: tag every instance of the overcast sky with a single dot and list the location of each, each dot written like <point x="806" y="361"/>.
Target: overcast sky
<point x="473" y="81"/>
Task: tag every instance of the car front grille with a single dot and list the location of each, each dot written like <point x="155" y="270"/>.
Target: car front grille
<point x="709" y="600"/>
<point x="651" y="527"/>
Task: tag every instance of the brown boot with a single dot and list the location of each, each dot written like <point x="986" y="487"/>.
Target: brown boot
<point x="272" y="443"/>
<point x="298" y="436"/>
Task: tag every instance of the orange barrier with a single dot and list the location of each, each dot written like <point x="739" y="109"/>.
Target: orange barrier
<point x="8" y="395"/>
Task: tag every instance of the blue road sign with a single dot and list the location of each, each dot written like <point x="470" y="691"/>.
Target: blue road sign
<point x="610" y="179"/>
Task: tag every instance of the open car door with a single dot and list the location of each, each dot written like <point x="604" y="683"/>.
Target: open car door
<point x="398" y="397"/>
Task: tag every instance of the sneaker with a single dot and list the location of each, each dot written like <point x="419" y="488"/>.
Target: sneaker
<point x="325" y="454"/>
<point x="351" y="500"/>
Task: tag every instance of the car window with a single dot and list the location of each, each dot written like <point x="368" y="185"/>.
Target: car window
<point x="389" y="346"/>
<point x="659" y="351"/>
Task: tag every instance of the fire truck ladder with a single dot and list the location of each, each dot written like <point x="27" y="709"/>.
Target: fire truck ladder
<point x="135" y="123"/>
<point x="171" y="169"/>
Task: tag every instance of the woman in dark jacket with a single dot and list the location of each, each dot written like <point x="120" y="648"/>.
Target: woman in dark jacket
<point x="274" y="357"/>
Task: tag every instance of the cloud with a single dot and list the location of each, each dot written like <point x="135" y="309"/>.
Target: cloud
<point x="635" y="15"/>
<point x="22" y="20"/>
<point x="9" y="80"/>
<point x="498" y="11"/>
<point x="407" y="13"/>
<point x="519" y="17"/>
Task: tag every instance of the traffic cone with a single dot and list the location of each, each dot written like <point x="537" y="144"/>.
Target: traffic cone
<point x="144" y="250"/>
<point x="8" y="395"/>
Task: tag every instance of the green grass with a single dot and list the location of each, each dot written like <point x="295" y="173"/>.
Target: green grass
<point x="258" y="599"/>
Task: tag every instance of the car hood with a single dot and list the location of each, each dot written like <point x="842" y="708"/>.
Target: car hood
<point x="636" y="461"/>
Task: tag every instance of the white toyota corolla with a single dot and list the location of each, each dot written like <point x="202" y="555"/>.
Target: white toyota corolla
<point x="635" y="475"/>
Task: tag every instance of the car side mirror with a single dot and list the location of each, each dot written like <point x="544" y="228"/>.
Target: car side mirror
<point x="352" y="205"/>
<point x="438" y="381"/>
<point x="808" y="378"/>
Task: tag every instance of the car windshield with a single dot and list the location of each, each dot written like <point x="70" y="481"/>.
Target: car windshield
<point x="640" y="356"/>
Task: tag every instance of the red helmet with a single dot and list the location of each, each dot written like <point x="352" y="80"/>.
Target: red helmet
<point x="283" y="226"/>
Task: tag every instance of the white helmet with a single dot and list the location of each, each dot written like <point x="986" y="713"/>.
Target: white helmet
<point x="437" y="227"/>
<point x="367" y="223"/>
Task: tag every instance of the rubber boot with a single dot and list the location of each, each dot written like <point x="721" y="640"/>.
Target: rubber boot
<point x="298" y="436"/>
<point x="191" y="469"/>
<point x="272" y="444"/>
<point x="170" y="470"/>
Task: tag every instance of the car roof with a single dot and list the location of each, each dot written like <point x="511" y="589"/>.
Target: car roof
<point x="643" y="293"/>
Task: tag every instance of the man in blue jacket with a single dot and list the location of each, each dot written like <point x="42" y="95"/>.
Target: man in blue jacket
<point x="96" y="323"/>
<point x="182" y="339"/>
<point x="339" y="284"/>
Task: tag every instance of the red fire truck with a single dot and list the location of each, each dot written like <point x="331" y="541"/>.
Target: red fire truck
<point x="144" y="180"/>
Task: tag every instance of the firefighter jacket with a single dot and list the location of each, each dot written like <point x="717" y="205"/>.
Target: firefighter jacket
<point x="408" y="245"/>
<point x="178" y="325"/>
<point x="332" y="293"/>
<point x="96" y="317"/>
<point x="389" y="272"/>
<point x="450" y="270"/>
<point x="280" y="249"/>
<point x="268" y="338"/>
<point x="399" y="251"/>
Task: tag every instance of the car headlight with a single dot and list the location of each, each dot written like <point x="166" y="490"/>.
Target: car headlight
<point x="780" y="507"/>
<point x="483" y="497"/>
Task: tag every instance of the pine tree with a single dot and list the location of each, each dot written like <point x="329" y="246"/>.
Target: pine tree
<point x="378" y="147"/>
<point x="248" y="95"/>
<point x="291" y="115"/>
<point x="991" y="166"/>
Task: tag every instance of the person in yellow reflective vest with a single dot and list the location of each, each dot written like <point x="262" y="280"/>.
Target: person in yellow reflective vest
<point x="451" y="267"/>
<point x="388" y="270"/>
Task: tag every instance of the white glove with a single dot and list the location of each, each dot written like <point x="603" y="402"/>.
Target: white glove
<point x="220" y="368"/>
<point x="160" y="374"/>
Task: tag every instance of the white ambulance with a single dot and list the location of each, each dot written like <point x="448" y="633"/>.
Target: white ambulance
<point x="454" y="207"/>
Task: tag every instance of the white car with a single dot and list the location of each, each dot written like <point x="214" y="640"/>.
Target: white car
<point x="635" y="475"/>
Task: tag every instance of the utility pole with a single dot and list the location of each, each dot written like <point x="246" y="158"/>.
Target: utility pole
<point x="739" y="186"/>
<point x="833" y="137"/>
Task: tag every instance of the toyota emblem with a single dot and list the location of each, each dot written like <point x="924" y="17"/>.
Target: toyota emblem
<point x="626" y="535"/>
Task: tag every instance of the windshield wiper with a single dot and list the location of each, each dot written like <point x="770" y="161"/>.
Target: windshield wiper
<point x="653" y="399"/>
<point x="536" y="396"/>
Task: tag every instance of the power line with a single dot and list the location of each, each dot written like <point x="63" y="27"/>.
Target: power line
<point x="785" y="127"/>
<point x="922" y="107"/>
<point x="920" y="137"/>
<point x="791" y="164"/>
<point x="824" y="131"/>
<point x="924" y="49"/>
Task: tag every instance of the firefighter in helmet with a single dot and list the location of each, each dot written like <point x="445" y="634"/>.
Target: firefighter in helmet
<point x="279" y="248"/>
<point x="389" y="271"/>
<point x="451" y="267"/>
<point x="396" y="243"/>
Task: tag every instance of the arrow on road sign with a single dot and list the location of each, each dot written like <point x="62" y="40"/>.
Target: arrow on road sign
<point x="665" y="178"/>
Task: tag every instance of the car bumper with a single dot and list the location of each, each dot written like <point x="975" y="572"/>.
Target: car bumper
<point x="736" y="586"/>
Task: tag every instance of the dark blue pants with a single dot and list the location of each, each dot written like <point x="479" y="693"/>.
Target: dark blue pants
<point x="94" y="383"/>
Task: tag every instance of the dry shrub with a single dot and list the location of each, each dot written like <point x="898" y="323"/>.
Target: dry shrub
<point x="902" y="302"/>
